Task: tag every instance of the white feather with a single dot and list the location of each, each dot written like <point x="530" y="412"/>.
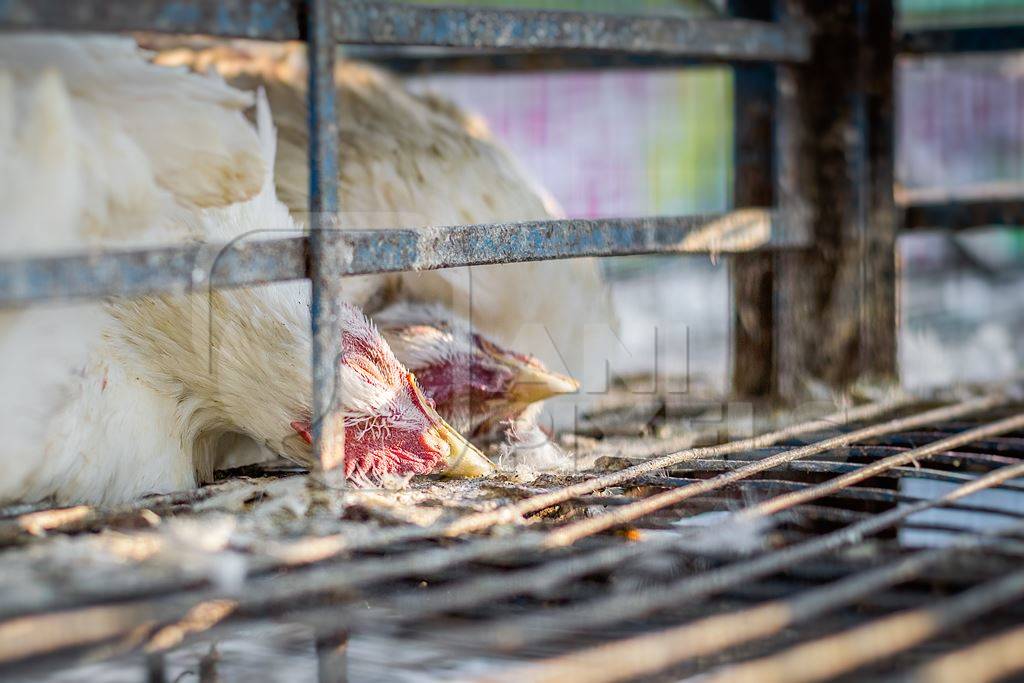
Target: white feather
<point x="412" y="161"/>
<point x="94" y="151"/>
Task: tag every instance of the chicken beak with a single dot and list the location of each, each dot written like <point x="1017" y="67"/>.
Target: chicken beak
<point x="463" y="460"/>
<point x="532" y="383"/>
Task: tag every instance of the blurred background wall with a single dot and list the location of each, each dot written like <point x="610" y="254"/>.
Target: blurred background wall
<point x="636" y="142"/>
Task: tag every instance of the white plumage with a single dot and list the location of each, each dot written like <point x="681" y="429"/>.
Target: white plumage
<point x="74" y="175"/>
<point x="103" y="402"/>
<point x="410" y="161"/>
<point x="98" y="146"/>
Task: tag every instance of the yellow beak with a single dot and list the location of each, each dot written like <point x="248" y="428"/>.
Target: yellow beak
<point x="533" y="383"/>
<point x="463" y="459"/>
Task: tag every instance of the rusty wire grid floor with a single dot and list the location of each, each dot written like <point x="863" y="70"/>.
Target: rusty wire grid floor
<point x="881" y="541"/>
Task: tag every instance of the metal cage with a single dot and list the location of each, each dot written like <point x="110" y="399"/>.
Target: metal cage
<point x="814" y="191"/>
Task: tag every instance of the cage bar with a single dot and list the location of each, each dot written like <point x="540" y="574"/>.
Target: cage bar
<point x="202" y="267"/>
<point x="817" y="282"/>
<point x="327" y="257"/>
<point x="386" y="23"/>
<point x="962" y="39"/>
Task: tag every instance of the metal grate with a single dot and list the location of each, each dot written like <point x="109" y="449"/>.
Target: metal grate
<point x="829" y="582"/>
<point x="581" y="576"/>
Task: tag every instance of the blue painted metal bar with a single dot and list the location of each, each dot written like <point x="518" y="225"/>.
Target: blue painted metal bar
<point x="179" y="269"/>
<point x="959" y="214"/>
<point x="384" y="23"/>
<point x="962" y="40"/>
<point x="326" y="256"/>
<point x="387" y="23"/>
<point x="428" y="60"/>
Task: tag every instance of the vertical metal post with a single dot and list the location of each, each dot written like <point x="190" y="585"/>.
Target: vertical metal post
<point x="331" y="657"/>
<point x="835" y="303"/>
<point x="879" y="322"/>
<point x="156" y="667"/>
<point x="753" y="185"/>
<point x="324" y="260"/>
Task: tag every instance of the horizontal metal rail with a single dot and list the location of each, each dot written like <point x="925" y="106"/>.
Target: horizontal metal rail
<point x="962" y="39"/>
<point x="199" y="266"/>
<point x="970" y="206"/>
<point x="384" y="23"/>
<point x="960" y="214"/>
<point x="409" y="61"/>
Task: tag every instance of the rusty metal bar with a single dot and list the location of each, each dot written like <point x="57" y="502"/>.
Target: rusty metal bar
<point x="515" y="512"/>
<point x="835" y="307"/>
<point x="991" y="659"/>
<point x="651" y="653"/>
<point x="519" y="632"/>
<point x="573" y="532"/>
<point x="872" y="494"/>
<point x="847" y="651"/>
<point x="385" y="23"/>
<point x="961" y="40"/>
<point x="197" y="267"/>
<point x="754" y="179"/>
<point x="327" y="258"/>
<point x="423" y="61"/>
<point x="873" y="469"/>
<point x="716" y="39"/>
<point x="963" y="214"/>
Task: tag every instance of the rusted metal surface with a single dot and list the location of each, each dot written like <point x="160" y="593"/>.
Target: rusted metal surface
<point x="963" y="214"/>
<point x="969" y="206"/>
<point x="266" y="19"/>
<point x="652" y="653"/>
<point x="751" y="275"/>
<point x="836" y="303"/>
<point x="327" y="257"/>
<point x="964" y="39"/>
<point x="244" y="263"/>
<point x="393" y="23"/>
<point x="132" y="273"/>
<point x="384" y="23"/>
<point x="993" y="659"/>
<point x="427" y="60"/>
<point x="396" y="581"/>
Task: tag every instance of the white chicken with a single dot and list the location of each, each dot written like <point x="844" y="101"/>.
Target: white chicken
<point x="476" y="384"/>
<point x="72" y="176"/>
<point x="411" y="161"/>
<point x="138" y="396"/>
<point x="97" y="146"/>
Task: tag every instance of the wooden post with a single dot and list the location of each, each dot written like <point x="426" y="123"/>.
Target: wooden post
<point x="753" y="185"/>
<point x="818" y="321"/>
<point x="834" y="315"/>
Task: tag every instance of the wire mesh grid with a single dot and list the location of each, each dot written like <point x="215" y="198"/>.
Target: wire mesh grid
<point x="809" y="553"/>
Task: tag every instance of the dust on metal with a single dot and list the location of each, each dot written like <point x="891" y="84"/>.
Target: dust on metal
<point x="195" y="267"/>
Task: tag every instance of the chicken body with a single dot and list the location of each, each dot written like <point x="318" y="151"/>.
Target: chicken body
<point x="80" y="418"/>
<point x="108" y="401"/>
<point x="418" y="162"/>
